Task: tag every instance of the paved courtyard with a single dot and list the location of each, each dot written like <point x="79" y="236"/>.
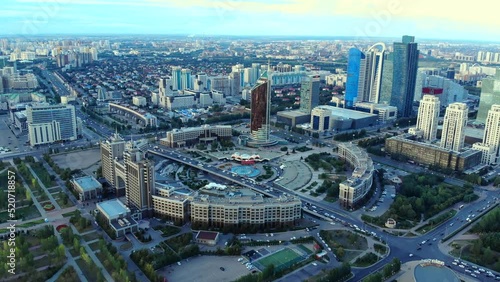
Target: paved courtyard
<point x="205" y="269"/>
<point x="78" y="159"/>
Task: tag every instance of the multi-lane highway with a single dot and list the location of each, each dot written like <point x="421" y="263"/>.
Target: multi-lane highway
<point x="404" y="248"/>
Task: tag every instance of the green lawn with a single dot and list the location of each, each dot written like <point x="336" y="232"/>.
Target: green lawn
<point x="25" y="213"/>
<point x="281" y="259"/>
<point x="94" y="246"/>
<point x="32" y="223"/>
<point x="68" y="214"/>
<point x="42" y="173"/>
<point x="90" y="236"/>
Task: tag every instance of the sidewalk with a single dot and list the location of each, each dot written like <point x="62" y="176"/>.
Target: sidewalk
<point x="49" y="195"/>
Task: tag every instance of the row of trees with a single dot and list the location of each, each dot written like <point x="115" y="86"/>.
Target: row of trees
<point x="348" y="136"/>
<point x="326" y="162"/>
<point x="54" y="254"/>
<point x="338" y="274"/>
<point x="112" y="260"/>
<point x="65" y="174"/>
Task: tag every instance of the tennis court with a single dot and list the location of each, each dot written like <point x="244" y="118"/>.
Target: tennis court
<point x="281" y="259"/>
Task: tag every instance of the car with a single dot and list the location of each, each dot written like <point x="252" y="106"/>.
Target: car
<point x="454" y="263"/>
<point x="461" y="266"/>
<point x="482" y="270"/>
<point x="222" y="268"/>
<point x="477" y="272"/>
<point x="467" y="271"/>
<point x="419" y="248"/>
<point x="411" y="255"/>
<point x="473" y="275"/>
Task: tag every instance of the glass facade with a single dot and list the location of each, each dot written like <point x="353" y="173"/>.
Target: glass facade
<point x="309" y="94"/>
<point x="490" y="94"/>
<point x="405" y="65"/>
<point x="260" y="111"/>
<point x="62" y="117"/>
<point x="353" y="66"/>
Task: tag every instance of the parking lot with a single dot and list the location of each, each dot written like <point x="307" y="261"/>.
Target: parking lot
<point x="205" y="269"/>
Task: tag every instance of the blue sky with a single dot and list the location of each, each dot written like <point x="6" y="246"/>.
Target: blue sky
<point x="440" y="19"/>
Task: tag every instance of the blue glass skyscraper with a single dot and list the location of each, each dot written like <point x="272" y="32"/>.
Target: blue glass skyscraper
<point x="353" y="64"/>
<point x="405" y="65"/>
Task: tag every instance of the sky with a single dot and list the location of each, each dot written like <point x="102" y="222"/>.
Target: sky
<point x="364" y="19"/>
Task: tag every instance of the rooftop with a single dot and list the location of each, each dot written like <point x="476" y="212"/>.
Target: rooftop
<point x="207" y="235"/>
<point x="346" y="113"/>
<point x="113" y="208"/>
<point x="87" y="183"/>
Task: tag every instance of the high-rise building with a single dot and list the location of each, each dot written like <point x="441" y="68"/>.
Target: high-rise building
<point x="51" y="123"/>
<point x="255" y="72"/>
<point x="309" y="93"/>
<point x="353" y="67"/>
<point x="492" y="130"/>
<point x="427" y="119"/>
<point x="455" y="120"/>
<point x="139" y="179"/>
<point x="200" y="82"/>
<point x="186" y="81"/>
<point x="234" y="78"/>
<point x="260" y="109"/>
<point x="176" y="78"/>
<point x="490" y="94"/>
<point x="111" y="151"/>
<point x="370" y="75"/>
<point x="405" y="64"/>
<point x="387" y="72"/>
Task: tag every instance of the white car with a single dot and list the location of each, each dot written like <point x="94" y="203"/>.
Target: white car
<point x="411" y="255"/>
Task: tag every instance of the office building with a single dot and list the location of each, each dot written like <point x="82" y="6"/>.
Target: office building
<point x="49" y="124"/>
<point x="487" y="152"/>
<point x="87" y="188"/>
<point x="387" y="73"/>
<point x="171" y="203"/>
<point x="309" y="94"/>
<point x="118" y="216"/>
<point x="238" y="209"/>
<point x="176" y="78"/>
<point x="353" y="70"/>
<point x="260" y="110"/>
<point x="384" y="112"/>
<point x="330" y="118"/>
<point x="356" y="187"/>
<point x="370" y="74"/>
<point x="186" y="80"/>
<point x="427" y="119"/>
<point x="455" y="120"/>
<point x="112" y="151"/>
<point x="447" y="90"/>
<point x="490" y="94"/>
<point x="430" y="154"/>
<point x="492" y="130"/>
<point x="193" y="135"/>
<point x="139" y="179"/>
<point x="405" y="64"/>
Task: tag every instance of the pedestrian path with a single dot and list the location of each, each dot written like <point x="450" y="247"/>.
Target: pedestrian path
<point x="51" y="198"/>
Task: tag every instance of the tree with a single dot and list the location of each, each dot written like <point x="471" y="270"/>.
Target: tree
<point x="268" y="272"/>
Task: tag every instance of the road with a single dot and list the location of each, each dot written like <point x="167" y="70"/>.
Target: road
<point x="400" y="247"/>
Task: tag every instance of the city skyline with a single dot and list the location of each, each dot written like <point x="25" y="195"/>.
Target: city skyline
<point x="367" y="19"/>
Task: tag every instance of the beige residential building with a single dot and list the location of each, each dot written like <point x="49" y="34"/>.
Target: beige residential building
<point x="238" y="210"/>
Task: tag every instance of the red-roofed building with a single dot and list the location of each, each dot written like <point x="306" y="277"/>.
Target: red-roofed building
<point x="207" y="238"/>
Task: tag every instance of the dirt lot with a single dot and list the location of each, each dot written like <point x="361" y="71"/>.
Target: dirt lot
<point x="78" y="159"/>
<point x="205" y="269"/>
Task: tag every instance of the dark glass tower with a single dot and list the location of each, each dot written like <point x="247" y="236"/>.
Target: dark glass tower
<point x="353" y="66"/>
<point x="260" y="110"/>
<point x="405" y="65"/>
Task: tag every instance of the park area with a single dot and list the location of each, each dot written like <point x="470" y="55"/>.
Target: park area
<point x="281" y="259"/>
